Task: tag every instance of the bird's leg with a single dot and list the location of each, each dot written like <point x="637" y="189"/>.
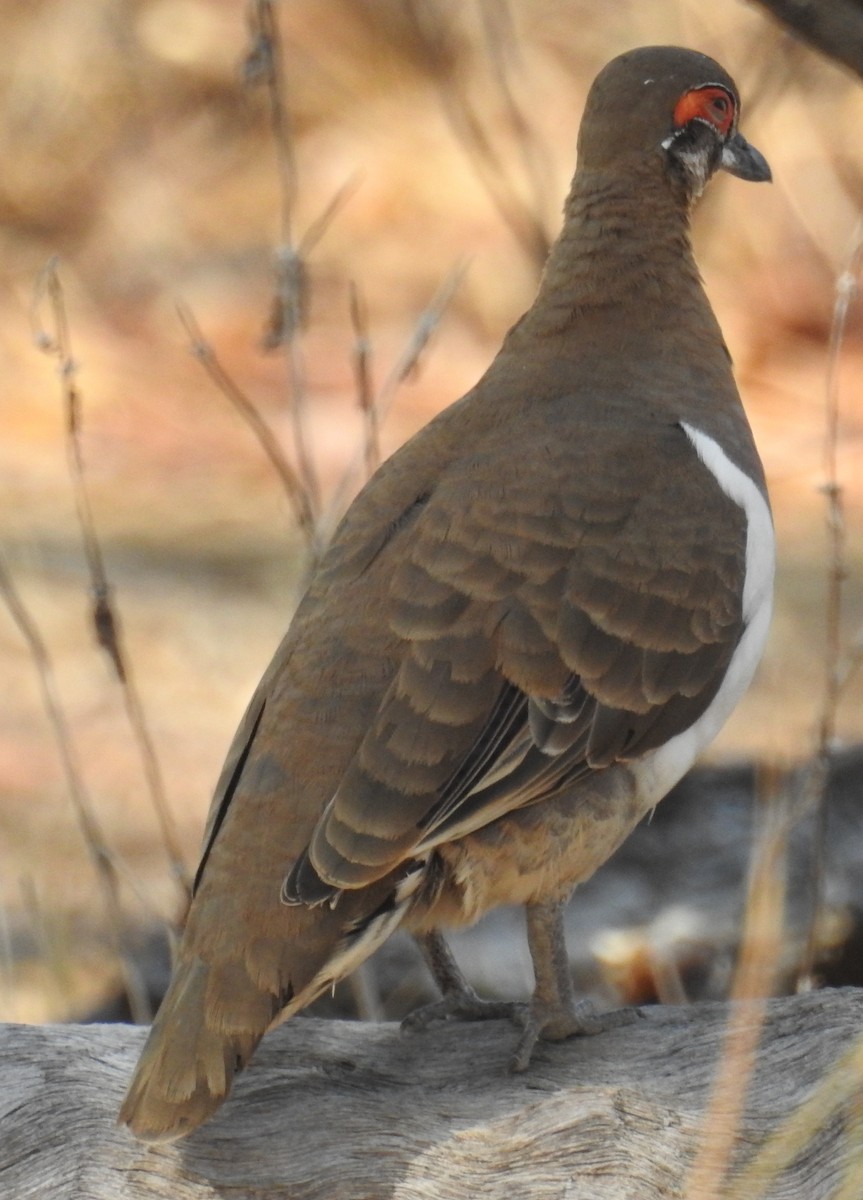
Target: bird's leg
<point x="458" y="999"/>
<point x="553" y="1013"/>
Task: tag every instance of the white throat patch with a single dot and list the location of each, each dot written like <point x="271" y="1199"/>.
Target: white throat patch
<point x="696" y="163"/>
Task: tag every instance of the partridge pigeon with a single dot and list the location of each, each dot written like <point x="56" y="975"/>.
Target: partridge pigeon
<point x="527" y="625"/>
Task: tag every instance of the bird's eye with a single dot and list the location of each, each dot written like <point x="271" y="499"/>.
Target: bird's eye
<point x="712" y="104"/>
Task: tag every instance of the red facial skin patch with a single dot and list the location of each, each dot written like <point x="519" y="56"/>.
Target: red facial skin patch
<point x="712" y="104"/>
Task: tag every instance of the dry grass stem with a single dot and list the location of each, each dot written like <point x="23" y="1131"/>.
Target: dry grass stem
<point x="7" y="959"/>
<point x="839" y="667"/>
<point x="103" y="859"/>
<point x="55" y="341"/>
<point x="433" y="31"/>
<point x="666" y="976"/>
<point x="46" y="928"/>
<point x="297" y="496"/>
<point x="424" y="326"/>
<point x="760" y="952"/>
<point x="501" y="43"/>
<point x="308" y="473"/>
<point x="851" y="1187"/>
<point x="321" y="223"/>
<point x="840" y="1087"/>
<point x="366" y="994"/>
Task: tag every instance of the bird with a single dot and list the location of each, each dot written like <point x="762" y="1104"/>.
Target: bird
<point x="529" y="622"/>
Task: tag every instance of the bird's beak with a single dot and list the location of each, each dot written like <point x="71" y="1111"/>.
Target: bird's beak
<point x="743" y="160"/>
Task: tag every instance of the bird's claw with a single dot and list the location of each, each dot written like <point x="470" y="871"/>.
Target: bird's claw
<point x="464" y="1005"/>
<point x="548" y="1023"/>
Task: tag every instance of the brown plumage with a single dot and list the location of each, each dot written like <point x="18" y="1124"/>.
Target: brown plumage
<point x="526" y="626"/>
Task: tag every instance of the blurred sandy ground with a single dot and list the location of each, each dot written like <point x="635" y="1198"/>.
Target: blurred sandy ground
<point x="130" y="147"/>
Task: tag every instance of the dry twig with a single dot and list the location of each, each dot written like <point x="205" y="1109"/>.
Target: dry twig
<point x="433" y="33"/>
<point x="104" y="862"/>
<point x="362" y="361"/>
<point x="298" y="497"/>
<point x="265" y="66"/>
<point x="56" y="342"/>
<point x="404" y="366"/>
<point x="502" y="48"/>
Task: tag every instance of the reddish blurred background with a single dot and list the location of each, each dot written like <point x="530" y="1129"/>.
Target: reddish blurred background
<point x="132" y="148"/>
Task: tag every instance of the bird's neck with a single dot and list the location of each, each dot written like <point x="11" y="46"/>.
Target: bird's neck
<point x="625" y="245"/>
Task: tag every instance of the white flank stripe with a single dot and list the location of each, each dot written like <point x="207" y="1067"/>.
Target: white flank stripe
<point x="658" y="772"/>
<point x="760" y="542"/>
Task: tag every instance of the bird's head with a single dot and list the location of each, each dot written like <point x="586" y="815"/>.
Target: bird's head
<point x="670" y="106"/>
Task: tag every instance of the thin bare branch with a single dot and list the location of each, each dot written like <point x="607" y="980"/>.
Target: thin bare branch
<point x="233" y="393"/>
<point x="103" y="860"/>
<point x="55" y="341"/>
<point x="321" y="224"/>
<point x="404" y="366"/>
<point x="362" y="363"/>
<point x="265" y="66"/>
<point x="290" y="305"/>
<point x="424" y="327"/>
<point x="57" y="345"/>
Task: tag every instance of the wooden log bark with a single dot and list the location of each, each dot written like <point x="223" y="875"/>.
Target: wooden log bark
<point x="334" y="1110"/>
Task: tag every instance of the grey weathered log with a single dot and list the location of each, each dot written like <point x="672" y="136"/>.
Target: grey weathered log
<point x="333" y="1110"/>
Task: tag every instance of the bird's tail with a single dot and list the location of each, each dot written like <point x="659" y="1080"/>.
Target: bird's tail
<point x="215" y="1012"/>
<point x="195" y="1047"/>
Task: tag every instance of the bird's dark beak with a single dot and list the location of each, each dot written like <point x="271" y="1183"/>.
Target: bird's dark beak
<point x="744" y="161"/>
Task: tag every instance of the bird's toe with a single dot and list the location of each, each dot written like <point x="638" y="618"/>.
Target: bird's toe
<point x="555" y="1023"/>
<point x="464" y="1005"/>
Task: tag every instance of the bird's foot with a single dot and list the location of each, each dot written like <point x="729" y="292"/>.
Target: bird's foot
<point x="464" y="1004"/>
<point x="555" y="1023"/>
